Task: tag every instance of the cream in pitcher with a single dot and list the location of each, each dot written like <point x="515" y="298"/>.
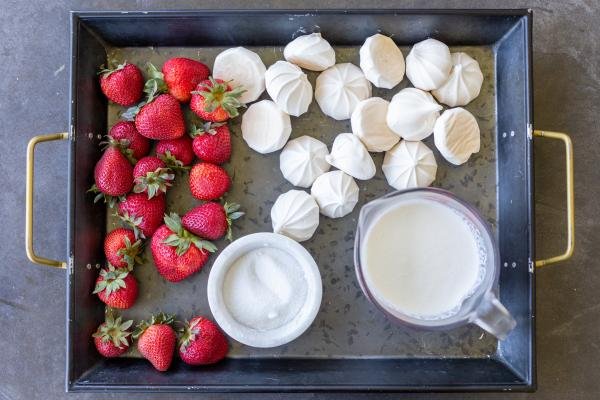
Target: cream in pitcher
<point x="426" y="258"/>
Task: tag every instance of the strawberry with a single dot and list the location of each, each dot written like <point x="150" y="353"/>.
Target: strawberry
<point x="176" y="153"/>
<point x="122" y="249"/>
<point x="176" y="252"/>
<point x="212" y="142"/>
<point x="122" y="85"/>
<point x="211" y="220"/>
<point x="208" y="181"/>
<point x="129" y="138"/>
<point x="116" y="287"/>
<point x="202" y="342"/>
<point x="160" y="118"/>
<point x="156" y="340"/>
<point x="113" y="176"/>
<point x="142" y="214"/>
<point x="112" y="336"/>
<point x="151" y="176"/>
<point x="182" y="75"/>
<point x="214" y="100"/>
<point x="146" y="165"/>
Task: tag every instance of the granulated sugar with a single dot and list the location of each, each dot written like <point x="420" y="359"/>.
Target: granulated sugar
<point x="264" y="289"/>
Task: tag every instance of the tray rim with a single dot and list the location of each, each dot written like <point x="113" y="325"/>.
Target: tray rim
<point x="529" y="383"/>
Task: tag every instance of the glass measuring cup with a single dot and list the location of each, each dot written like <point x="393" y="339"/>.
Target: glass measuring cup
<point x="481" y="306"/>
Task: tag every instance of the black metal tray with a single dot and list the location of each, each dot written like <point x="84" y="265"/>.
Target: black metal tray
<point x="507" y="365"/>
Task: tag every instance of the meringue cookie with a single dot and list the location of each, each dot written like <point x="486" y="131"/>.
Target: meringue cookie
<point x="369" y="124"/>
<point x="456" y="135"/>
<point x="336" y="193"/>
<point x="428" y="64"/>
<point x="244" y="68"/>
<point x="295" y="214"/>
<point x="412" y="114"/>
<point x="350" y="155"/>
<point x="302" y="160"/>
<point x="311" y="52"/>
<point x="382" y="61"/>
<point x="265" y="128"/>
<point x="289" y="87"/>
<point x="464" y="82"/>
<point x="340" y="88"/>
<point x="409" y="165"/>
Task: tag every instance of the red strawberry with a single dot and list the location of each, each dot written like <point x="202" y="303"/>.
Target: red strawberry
<point x="176" y="152"/>
<point x="128" y="137"/>
<point x="208" y="181"/>
<point x="159" y="118"/>
<point x="147" y="164"/>
<point x="212" y="142"/>
<point x="156" y="340"/>
<point x="144" y="215"/>
<point x="214" y="100"/>
<point x="116" y="287"/>
<point x="122" y="85"/>
<point x="122" y="249"/>
<point x="112" y="336"/>
<point x="113" y="176"/>
<point x="182" y="75"/>
<point x="211" y="220"/>
<point x="151" y="176"/>
<point x="176" y="252"/>
<point x="202" y="342"/>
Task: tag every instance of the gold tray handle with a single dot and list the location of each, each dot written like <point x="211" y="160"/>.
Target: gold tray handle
<point x="29" y="200"/>
<point x="570" y="197"/>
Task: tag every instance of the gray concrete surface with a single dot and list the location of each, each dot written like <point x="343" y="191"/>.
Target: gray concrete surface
<point x="34" y="83"/>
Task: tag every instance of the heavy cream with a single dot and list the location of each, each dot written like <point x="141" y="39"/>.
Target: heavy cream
<point x="422" y="259"/>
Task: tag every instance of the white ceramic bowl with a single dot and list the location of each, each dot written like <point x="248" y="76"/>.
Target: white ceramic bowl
<point x="273" y="337"/>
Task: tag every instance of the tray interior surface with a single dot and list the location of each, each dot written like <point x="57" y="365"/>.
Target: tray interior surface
<point x="347" y="326"/>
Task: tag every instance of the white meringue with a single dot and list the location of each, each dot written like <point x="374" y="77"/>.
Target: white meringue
<point x="428" y="64"/>
<point x="409" y="165"/>
<point x="350" y="155"/>
<point x="336" y="193"/>
<point x="382" y="61"/>
<point x="369" y="124"/>
<point x="464" y="83"/>
<point x="244" y="68"/>
<point x="289" y="87"/>
<point x="311" y="52"/>
<point x="265" y="128"/>
<point x="456" y="135"/>
<point x="295" y="214"/>
<point x="412" y="114"/>
<point x="340" y="88"/>
<point x="302" y="160"/>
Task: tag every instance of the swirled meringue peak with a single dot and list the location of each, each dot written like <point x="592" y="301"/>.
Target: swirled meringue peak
<point x="428" y="64"/>
<point x="382" y="61"/>
<point x="244" y="68"/>
<point x="351" y="156"/>
<point x="409" y="165"/>
<point x="464" y="83"/>
<point x="295" y="214"/>
<point x="311" y="52"/>
<point x="456" y="135"/>
<point x="336" y="193"/>
<point x="302" y="160"/>
<point x="412" y="114"/>
<point x="340" y="88"/>
<point x="289" y="87"/>
<point x="369" y="124"/>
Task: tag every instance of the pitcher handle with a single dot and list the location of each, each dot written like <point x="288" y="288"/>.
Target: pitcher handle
<point x="493" y="317"/>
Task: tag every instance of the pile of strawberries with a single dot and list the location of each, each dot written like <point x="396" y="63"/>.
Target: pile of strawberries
<point x="135" y="183"/>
